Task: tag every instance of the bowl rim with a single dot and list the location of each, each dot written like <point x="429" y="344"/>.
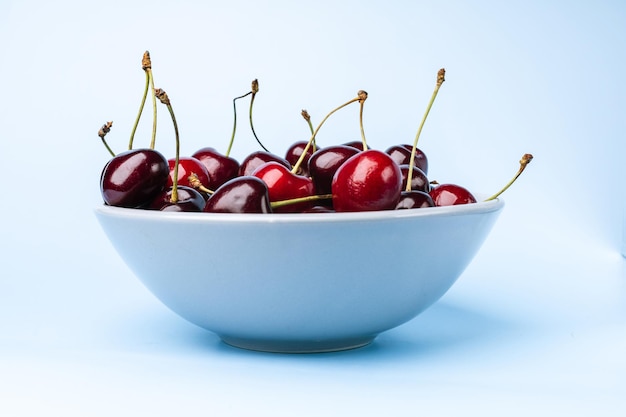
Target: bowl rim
<point x="463" y="209"/>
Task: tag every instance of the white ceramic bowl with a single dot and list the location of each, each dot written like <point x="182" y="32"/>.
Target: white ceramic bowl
<point x="299" y="282"/>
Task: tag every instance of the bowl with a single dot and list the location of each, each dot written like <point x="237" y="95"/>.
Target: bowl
<point x="299" y="282"/>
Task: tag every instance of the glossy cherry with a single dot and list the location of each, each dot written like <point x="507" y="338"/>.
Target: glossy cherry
<point x="451" y="194"/>
<point x="419" y="181"/>
<point x="258" y="158"/>
<point x="186" y="167"/>
<point x="133" y="178"/>
<point x="283" y="184"/>
<point x="245" y="194"/>
<point x="220" y="167"/>
<point x="189" y="200"/>
<point x="402" y="155"/>
<point x="358" y="144"/>
<point x="324" y="163"/>
<point x="367" y="181"/>
<point x="414" y="199"/>
<point x="293" y="154"/>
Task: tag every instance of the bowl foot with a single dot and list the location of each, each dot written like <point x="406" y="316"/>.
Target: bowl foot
<point x="298" y="346"/>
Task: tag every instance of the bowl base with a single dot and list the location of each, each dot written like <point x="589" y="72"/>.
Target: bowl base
<point x="298" y="346"/>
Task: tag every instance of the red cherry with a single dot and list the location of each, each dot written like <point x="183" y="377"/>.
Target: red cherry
<point x="186" y="167"/>
<point x="258" y="158"/>
<point x="414" y="199"/>
<point x="419" y="181"/>
<point x="189" y="200"/>
<point x="283" y="184"/>
<point x="325" y="162"/>
<point x="402" y="155"/>
<point x="450" y="195"/>
<point x="133" y="178"/>
<point x="293" y="154"/>
<point x="367" y="181"/>
<point x="358" y="144"/>
<point x="221" y="168"/>
<point x="246" y="194"/>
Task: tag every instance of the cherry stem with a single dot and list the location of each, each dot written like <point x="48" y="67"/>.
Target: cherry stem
<point x="307" y="117"/>
<point x="441" y="74"/>
<point x="362" y="98"/>
<point x="255" y="89"/>
<point x="195" y="183"/>
<point x="154" y="110"/>
<point x="145" y="65"/>
<point x="106" y="128"/>
<point x="298" y="163"/>
<point x="282" y="203"/>
<point x="522" y="166"/>
<point x="162" y="96"/>
<point x="232" y="137"/>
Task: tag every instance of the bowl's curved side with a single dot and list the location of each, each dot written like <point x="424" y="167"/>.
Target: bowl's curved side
<point x="304" y="286"/>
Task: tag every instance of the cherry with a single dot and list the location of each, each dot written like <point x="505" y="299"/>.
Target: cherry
<point x="367" y="181"/>
<point x="186" y="167"/>
<point x="246" y="194"/>
<point x="414" y="200"/>
<point x="324" y="163"/>
<point x="133" y="178"/>
<point x="188" y="200"/>
<point x="221" y="168"/>
<point x="283" y="184"/>
<point x="258" y="158"/>
<point x="319" y="209"/>
<point x="451" y="194"/>
<point x="402" y="155"/>
<point x="419" y="181"/>
<point x="294" y="152"/>
<point x="357" y="144"/>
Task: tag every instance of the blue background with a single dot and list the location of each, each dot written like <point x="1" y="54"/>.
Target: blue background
<point x="537" y="323"/>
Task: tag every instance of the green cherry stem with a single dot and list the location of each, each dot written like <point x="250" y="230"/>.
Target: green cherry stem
<point x="232" y="136"/>
<point x="162" y="96"/>
<point x="306" y="116"/>
<point x="255" y="90"/>
<point x="154" y="109"/>
<point x="282" y="203"/>
<point x="526" y="158"/>
<point x="441" y="77"/>
<point x="145" y="64"/>
<point x="106" y="128"/>
<point x="300" y="160"/>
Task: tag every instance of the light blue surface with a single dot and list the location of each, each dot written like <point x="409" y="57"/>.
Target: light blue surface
<point x="535" y="326"/>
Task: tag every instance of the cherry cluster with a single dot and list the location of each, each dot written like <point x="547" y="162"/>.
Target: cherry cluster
<point x="347" y="177"/>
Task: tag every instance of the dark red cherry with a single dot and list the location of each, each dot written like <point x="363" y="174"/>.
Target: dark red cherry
<point x="402" y="155"/>
<point x="325" y="162"/>
<point x="258" y="158"/>
<point x="245" y="194"/>
<point x="133" y="178"/>
<point x="221" y="168"/>
<point x="293" y="154"/>
<point x="419" y="181"/>
<point x="187" y="166"/>
<point x="451" y="194"/>
<point x="367" y="181"/>
<point x="283" y="184"/>
<point x="414" y="199"/>
<point x="189" y="200"/>
<point x="358" y="144"/>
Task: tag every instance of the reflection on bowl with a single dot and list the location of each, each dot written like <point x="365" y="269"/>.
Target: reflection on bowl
<point x="299" y="282"/>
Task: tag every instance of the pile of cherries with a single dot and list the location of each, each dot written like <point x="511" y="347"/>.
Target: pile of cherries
<point x="348" y="177"/>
